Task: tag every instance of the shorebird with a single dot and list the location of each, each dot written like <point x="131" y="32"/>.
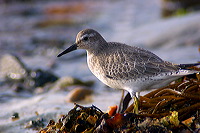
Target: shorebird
<point x="121" y="66"/>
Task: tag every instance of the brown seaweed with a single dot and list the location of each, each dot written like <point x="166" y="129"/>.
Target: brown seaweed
<point x="174" y="108"/>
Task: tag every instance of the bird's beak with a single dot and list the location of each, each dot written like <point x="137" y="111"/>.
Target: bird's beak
<point x="71" y="48"/>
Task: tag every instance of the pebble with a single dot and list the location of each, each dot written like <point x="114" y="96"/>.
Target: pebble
<point x="79" y="94"/>
<point x="15" y="116"/>
<point x="65" y="82"/>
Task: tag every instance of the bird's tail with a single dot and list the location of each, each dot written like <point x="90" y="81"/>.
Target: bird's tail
<point x="186" y="66"/>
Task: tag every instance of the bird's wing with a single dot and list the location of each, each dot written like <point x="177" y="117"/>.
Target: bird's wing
<point x="135" y="63"/>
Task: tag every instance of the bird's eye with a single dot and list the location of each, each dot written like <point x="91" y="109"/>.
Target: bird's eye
<point x="85" y="38"/>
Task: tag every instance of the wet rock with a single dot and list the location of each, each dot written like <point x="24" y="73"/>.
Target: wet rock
<point x="14" y="73"/>
<point x="18" y="88"/>
<point x="41" y="77"/>
<point x="65" y="82"/>
<point x="38" y="78"/>
<point x="79" y="94"/>
<point x="15" y="116"/>
<point x="36" y="124"/>
<point x="12" y="67"/>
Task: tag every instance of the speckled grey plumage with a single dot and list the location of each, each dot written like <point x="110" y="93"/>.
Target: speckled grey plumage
<point x="125" y="67"/>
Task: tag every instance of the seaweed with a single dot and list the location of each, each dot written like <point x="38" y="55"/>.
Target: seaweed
<point x="174" y="108"/>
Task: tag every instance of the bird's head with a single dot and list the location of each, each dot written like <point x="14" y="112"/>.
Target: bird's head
<point x="87" y="39"/>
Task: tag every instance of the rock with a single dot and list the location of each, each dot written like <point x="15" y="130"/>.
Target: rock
<point x="14" y="72"/>
<point x="36" y="124"/>
<point x="12" y="67"/>
<point x="18" y="88"/>
<point x="41" y="77"/>
<point x="64" y="82"/>
<point x="15" y="116"/>
<point x="38" y="78"/>
<point x="79" y="94"/>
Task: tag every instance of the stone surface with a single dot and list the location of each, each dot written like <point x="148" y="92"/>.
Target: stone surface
<point x="79" y="95"/>
<point x="64" y="82"/>
<point x="12" y="67"/>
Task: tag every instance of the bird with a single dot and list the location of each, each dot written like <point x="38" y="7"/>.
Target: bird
<point x="125" y="67"/>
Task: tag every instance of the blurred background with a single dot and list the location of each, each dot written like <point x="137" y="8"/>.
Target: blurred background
<point x="33" y="32"/>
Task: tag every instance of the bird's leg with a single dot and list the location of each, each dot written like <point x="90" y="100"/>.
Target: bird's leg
<point x="121" y="102"/>
<point x="124" y="102"/>
<point x="136" y="103"/>
<point x="135" y="97"/>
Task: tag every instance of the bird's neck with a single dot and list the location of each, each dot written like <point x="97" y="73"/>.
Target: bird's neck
<point x="100" y="49"/>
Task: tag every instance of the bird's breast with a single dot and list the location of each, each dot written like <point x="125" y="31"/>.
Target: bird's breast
<point x="95" y="67"/>
<point x="98" y="70"/>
